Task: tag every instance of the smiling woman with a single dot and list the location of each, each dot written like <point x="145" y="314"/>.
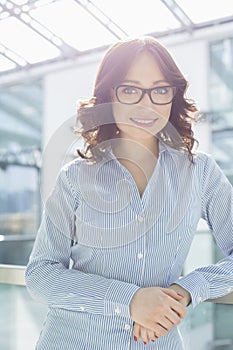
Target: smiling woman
<point x="141" y="80"/>
<point x="118" y="226"/>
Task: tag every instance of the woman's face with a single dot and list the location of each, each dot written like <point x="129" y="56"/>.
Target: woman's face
<point x="143" y="119"/>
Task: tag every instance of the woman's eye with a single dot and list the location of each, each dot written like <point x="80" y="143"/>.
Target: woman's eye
<point x="161" y="90"/>
<point x="130" y="90"/>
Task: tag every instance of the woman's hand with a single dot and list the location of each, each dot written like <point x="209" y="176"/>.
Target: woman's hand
<point x="145" y="333"/>
<point x="157" y="310"/>
<point x="186" y="298"/>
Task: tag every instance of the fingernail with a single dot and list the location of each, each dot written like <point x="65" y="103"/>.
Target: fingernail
<point x="152" y="340"/>
<point x="145" y="342"/>
<point x="135" y="338"/>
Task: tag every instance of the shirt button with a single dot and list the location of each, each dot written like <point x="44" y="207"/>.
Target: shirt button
<point x="140" y="255"/>
<point x="140" y="218"/>
<point x="127" y="327"/>
<point x="229" y="290"/>
<point x="199" y="299"/>
<point x="117" y="310"/>
<point x="82" y="308"/>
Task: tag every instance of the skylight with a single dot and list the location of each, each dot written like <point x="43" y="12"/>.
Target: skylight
<point x="73" y="24"/>
<point x="36" y="31"/>
<point x="26" y="42"/>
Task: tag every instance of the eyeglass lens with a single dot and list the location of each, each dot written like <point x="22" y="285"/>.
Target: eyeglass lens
<point x="131" y="94"/>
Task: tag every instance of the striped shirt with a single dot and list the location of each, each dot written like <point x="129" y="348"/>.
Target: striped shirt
<point x="100" y="241"/>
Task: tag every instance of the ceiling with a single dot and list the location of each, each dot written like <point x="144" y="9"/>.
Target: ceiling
<point x="35" y="32"/>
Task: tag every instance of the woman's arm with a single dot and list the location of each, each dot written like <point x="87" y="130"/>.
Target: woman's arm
<point x="216" y="280"/>
<point x="48" y="276"/>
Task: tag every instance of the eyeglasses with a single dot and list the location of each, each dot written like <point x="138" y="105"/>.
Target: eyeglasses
<point x="161" y="95"/>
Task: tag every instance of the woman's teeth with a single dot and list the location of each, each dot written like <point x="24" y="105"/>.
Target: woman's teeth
<point x="143" y="121"/>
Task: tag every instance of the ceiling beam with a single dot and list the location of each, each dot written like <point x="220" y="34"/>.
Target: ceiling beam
<point x="179" y="14"/>
<point x="98" y="14"/>
<point x="12" y="56"/>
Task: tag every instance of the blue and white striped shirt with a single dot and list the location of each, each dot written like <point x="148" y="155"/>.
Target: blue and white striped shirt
<point x="119" y="241"/>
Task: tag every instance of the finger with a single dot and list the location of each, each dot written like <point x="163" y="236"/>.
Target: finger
<point x="160" y="330"/>
<point x="174" y="314"/>
<point x="151" y="335"/>
<point x="181" y="312"/>
<point x="136" y="331"/>
<point x="173" y="317"/>
<point x="169" y="314"/>
<point x="172" y="294"/>
<point x="178" y="308"/>
<point x="167" y="324"/>
<point x="144" y="335"/>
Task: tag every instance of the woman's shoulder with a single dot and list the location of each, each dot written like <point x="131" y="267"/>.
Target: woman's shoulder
<point x="73" y="165"/>
<point x="199" y="157"/>
<point x="202" y="156"/>
<point x="202" y="161"/>
<point x="78" y="167"/>
<point x="208" y="166"/>
<point x="183" y="155"/>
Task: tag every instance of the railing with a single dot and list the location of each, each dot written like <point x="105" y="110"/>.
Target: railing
<point x="13" y="274"/>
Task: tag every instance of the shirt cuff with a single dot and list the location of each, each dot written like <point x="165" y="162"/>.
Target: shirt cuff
<point x="118" y="298"/>
<point x="196" y="285"/>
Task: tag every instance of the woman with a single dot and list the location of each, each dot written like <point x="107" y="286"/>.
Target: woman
<point x="125" y="213"/>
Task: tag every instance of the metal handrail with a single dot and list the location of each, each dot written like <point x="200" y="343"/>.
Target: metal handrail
<point x="12" y="274"/>
<point x="15" y="274"/>
<point x="17" y="237"/>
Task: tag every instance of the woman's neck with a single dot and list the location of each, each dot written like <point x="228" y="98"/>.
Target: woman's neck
<point x="146" y="150"/>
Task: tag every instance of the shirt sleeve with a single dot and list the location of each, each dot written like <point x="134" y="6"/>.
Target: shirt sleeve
<point x="216" y="280"/>
<point x="49" y="276"/>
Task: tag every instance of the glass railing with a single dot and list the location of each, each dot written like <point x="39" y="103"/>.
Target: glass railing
<point x="21" y="318"/>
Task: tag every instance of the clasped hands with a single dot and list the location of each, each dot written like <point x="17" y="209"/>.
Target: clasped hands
<point x="156" y="310"/>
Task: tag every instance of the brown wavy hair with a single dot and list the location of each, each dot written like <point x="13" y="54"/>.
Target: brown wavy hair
<point x="111" y="72"/>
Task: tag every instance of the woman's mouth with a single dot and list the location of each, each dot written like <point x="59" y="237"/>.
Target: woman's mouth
<point x="145" y="123"/>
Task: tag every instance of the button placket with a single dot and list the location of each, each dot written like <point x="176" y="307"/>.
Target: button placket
<point x="140" y="229"/>
<point x="140" y="218"/>
<point x="139" y="242"/>
<point x="141" y="246"/>
<point x="140" y="255"/>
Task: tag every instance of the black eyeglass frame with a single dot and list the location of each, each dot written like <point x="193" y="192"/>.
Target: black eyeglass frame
<point x="145" y="91"/>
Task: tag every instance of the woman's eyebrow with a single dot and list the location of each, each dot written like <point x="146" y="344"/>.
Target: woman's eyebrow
<point x="138" y="82"/>
<point x="131" y="81"/>
<point x="159" y="81"/>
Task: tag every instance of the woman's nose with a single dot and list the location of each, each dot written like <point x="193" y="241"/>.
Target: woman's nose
<point x="146" y="101"/>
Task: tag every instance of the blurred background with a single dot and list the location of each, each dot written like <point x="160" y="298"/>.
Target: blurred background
<point x="49" y="54"/>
